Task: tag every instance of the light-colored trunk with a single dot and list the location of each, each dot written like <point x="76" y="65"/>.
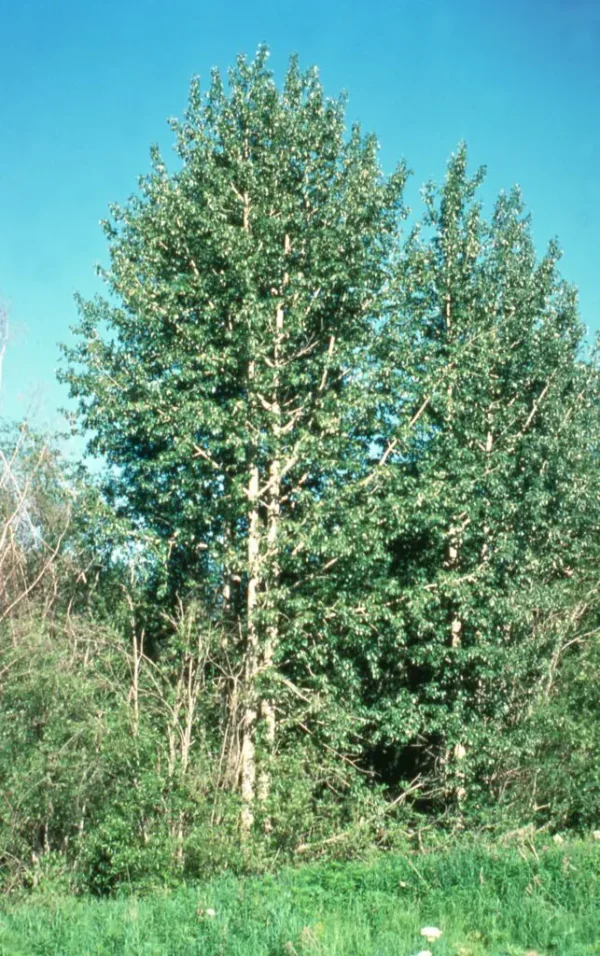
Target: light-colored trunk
<point x="267" y="709"/>
<point x="247" y="756"/>
<point x="230" y="752"/>
<point x="457" y="754"/>
<point x="137" y="651"/>
<point x="263" y="573"/>
<point x="489" y="444"/>
<point x="248" y="745"/>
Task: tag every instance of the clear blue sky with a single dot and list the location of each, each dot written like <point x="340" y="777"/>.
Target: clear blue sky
<point x="86" y="88"/>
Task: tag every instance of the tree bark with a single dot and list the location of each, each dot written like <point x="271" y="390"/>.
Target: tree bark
<point x="267" y="709"/>
<point x="248" y="746"/>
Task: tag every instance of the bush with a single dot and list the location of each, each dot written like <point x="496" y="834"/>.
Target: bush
<point x="563" y="776"/>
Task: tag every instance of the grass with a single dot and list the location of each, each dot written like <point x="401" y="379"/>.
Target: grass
<point x="486" y="900"/>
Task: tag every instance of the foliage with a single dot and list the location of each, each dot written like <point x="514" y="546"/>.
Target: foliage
<point x="58" y="539"/>
<point x="550" y="773"/>
<point x="226" y="389"/>
<point x="483" y="501"/>
<point x="91" y="765"/>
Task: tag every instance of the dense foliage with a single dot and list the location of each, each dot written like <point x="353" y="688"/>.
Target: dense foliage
<point x="338" y="579"/>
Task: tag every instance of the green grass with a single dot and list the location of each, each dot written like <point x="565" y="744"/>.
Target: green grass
<point x="486" y="900"/>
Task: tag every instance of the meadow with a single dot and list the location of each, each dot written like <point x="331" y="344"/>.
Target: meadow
<point x="503" y="900"/>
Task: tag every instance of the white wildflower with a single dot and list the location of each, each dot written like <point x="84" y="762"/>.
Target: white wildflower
<point x="431" y="932"/>
<point x="203" y="913"/>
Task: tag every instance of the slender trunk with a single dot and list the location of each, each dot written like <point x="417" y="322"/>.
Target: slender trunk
<point x="267" y="709"/>
<point x="137" y="650"/>
<point x="263" y="572"/>
<point x="248" y="746"/>
<point x="247" y="756"/>
<point x="192" y="689"/>
<point x="489" y="444"/>
<point x="458" y="752"/>
<point x="230" y="752"/>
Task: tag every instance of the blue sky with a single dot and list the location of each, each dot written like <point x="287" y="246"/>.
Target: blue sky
<point x="86" y="88"/>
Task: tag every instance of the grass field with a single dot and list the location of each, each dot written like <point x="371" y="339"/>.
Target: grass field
<point x="486" y="900"/>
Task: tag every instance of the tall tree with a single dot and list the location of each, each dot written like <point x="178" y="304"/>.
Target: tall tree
<point x="487" y="498"/>
<point x="220" y="386"/>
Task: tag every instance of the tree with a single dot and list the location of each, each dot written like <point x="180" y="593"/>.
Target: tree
<point x="223" y="387"/>
<point x="486" y="501"/>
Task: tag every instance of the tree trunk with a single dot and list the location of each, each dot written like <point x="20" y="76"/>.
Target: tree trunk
<point x="263" y="573"/>
<point x="454" y="757"/>
<point x="267" y="709"/>
<point x="248" y="746"/>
